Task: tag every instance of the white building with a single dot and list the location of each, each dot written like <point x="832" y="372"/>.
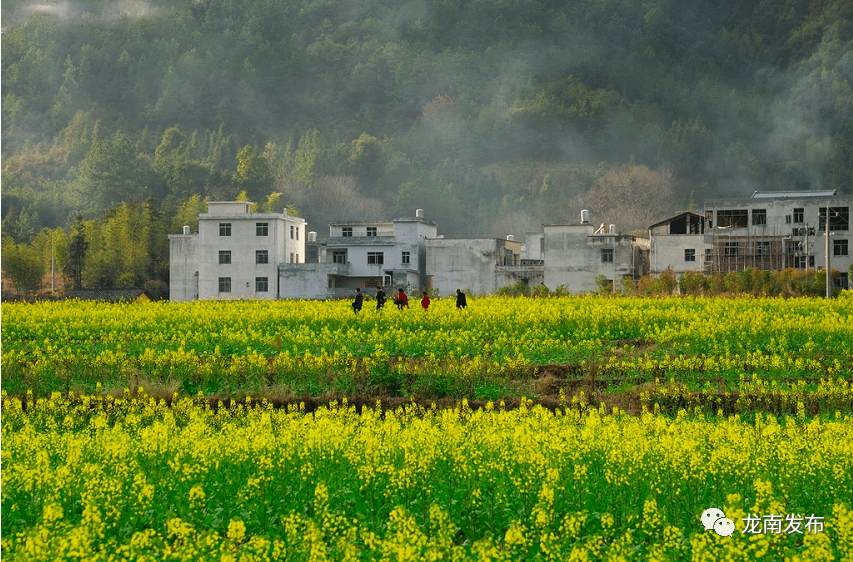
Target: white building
<point x="679" y="244"/>
<point x="234" y="254"/>
<point x="575" y="254"/>
<point x="775" y="230"/>
<point x="364" y="254"/>
<point x="481" y="265"/>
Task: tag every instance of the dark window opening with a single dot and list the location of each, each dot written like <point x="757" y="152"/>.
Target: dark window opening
<point x="733" y="219"/>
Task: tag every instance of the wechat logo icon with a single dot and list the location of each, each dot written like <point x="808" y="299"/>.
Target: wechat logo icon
<point x="715" y="519"/>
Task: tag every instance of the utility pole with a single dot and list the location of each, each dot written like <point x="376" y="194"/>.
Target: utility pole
<point x="52" y="268"/>
<point x="828" y="276"/>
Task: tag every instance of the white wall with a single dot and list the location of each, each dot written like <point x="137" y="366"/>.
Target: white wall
<point x="573" y="257"/>
<point x="183" y="267"/>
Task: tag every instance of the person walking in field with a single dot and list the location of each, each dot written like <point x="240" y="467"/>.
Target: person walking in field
<point x="461" y="301"/>
<point x="358" y="302"/>
<point x="402" y="300"/>
<point x="380" y="298"/>
<point x="425" y="301"/>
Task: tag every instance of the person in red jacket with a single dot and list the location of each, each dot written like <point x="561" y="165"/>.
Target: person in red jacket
<point x="425" y="301"/>
<point x="402" y="300"/>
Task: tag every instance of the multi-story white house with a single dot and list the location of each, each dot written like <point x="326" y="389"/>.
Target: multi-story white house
<point x="363" y="254"/>
<point x="780" y="229"/>
<point x="234" y="254"/>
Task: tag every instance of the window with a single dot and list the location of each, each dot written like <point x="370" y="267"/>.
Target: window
<point x="839" y="247"/>
<point x="371" y="231"/>
<point x="339" y="256"/>
<point x="759" y="217"/>
<point x="262" y="256"/>
<point x="734" y="219"/>
<point x="709" y="254"/>
<point x="787" y="219"/>
<point x="839" y="218"/>
<point x="262" y="284"/>
<point x="375" y="258"/>
<point x="225" y="229"/>
<point x="541" y="245"/>
<point x="690" y="255"/>
<point x="843" y="281"/>
<point x="731" y="250"/>
<point x="406" y="257"/>
<point x="762" y="249"/>
<point x="607" y="255"/>
<point x="346" y="231"/>
<point x="224" y="256"/>
<point x="803" y="231"/>
<point x="312" y="254"/>
<point x="224" y="284"/>
<point x="297" y="233"/>
<point x="291" y="257"/>
<point x="798" y="215"/>
<point x="291" y="232"/>
<point x="262" y="229"/>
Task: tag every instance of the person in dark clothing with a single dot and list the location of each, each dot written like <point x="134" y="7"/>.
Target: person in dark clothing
<point x="461" y="302"/>
<point x="402" y="300"/>
<point x="380" y="298"/>
<point x="358" y="302"/>
<point x="425" y="301"/>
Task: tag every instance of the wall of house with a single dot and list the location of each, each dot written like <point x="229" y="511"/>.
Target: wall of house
<point x="573" y="257"/>
<point x="306" y="280"/>
<point x="667" y="251"/>
<point x="461" y="264"/>
<point x="183" y="267"/>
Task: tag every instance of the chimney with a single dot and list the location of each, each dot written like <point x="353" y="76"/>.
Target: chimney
<point x="419" y="213"/>
<point x="510" y="237"/>
<point x="186" y="229"/>
<point x="612" y="229"/>
<point x="585" y="217"/>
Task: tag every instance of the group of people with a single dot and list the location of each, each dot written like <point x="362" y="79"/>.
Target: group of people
<point x="402" y="300"/>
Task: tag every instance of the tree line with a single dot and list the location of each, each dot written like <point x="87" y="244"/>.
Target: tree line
<point x="494" y="116"/>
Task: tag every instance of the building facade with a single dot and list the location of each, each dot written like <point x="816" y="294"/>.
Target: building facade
<point x="576" y="254"/>
<point x="234" y="254"/>
<point x="363" y="254"/>
<point x="777" y="230"/>
<point x="480" y="265"/>
<point x="679" y="244"/>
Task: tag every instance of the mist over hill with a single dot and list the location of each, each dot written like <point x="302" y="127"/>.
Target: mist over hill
<point x="493" y="116"/>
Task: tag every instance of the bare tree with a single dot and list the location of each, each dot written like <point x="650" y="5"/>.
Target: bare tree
<point x="334" y="198"/>
<point x="632" y="197"/>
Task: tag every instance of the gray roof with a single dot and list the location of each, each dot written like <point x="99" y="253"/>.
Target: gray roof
<point x="793" y="194"/>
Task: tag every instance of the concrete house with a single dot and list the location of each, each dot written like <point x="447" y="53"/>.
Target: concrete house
<point x="365" y="254"/>
<point x="575" y="254"/>
<point x="482" y="265"/>
<point x="774" y="230"/>
<point x="234" y="254"/>
<point x="678" y="243"/>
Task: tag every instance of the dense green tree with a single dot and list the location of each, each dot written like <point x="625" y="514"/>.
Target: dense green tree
<point x="253" y="173"/>
<point x="77" y="251"/>
<point x="23" y="265"/>
<point x="112" y="172"/>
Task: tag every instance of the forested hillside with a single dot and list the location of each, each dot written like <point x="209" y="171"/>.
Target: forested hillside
<point x="494" y="116"/>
